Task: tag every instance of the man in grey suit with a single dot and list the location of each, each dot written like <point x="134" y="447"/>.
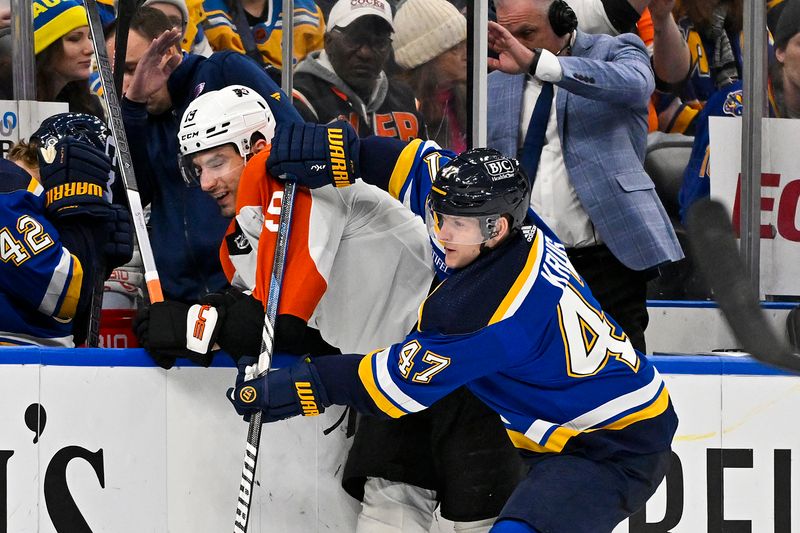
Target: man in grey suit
<point x="583" y="147"/>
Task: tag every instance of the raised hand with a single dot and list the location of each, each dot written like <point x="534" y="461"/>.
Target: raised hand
<point x="155" y="67"/>
<point x="514" y="57"/>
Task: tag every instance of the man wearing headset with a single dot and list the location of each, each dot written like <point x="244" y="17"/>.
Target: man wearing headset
<point x="573" y="108"/>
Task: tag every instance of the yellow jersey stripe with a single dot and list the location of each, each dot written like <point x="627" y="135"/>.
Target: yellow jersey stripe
<point x="368" y="380"/>
<point x="70" y="303"/>
<point x="522" y="285"/>
<point x="403" y="167"/>
<point x="560" y="436"/>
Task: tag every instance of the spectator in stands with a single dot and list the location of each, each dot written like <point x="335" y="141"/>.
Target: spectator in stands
<point x="712" y="30"/>
<point x="430" y="44"/>
<point x="192" y="37"/>
<point x="6" y="73"/>
<point x="589" y="182"/>
<point x="225" y="20"/>
<point x="185" y="225"/>
<point x="346" y="80"/>
<point x="63" y="55"/>
<point x="784" y="102"/>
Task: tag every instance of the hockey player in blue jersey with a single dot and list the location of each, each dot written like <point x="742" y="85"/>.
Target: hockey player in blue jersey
<point x="515" y="324"/>
<point x="57" y="235"/>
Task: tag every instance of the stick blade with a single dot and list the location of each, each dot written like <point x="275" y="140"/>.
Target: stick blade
<point x="712" y="240"/>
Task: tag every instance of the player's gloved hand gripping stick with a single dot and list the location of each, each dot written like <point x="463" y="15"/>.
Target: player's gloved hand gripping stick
<point x="249" y="394"/>
<point x="123" y="152"/>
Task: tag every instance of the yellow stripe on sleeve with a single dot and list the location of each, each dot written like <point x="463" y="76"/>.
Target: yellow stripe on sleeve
<point x="403" y="167"/>
<point x="368" y="380"/>
<point x="70" y="303"/>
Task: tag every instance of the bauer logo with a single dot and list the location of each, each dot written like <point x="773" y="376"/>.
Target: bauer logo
<point x="248" y="394"/>
<point x="500" y="169"/>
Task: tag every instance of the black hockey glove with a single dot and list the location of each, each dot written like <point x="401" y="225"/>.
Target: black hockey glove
<point x="168" y="330"/>
<point x="119" y="247"/>
<point x="316" y="154"/>
<point x="240" y="332"/>
<point x="74" y="176"/>
<point x="283" y="393"/>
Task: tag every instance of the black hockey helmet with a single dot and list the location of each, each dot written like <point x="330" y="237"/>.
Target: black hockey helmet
<point x="480" y="183"/>
<point x="80" y="126"/>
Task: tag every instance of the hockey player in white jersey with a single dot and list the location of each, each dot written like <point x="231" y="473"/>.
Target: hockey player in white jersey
<point x="343" y="247"/>
<point x="358" y="266"/>
<point x="514" y="323"/>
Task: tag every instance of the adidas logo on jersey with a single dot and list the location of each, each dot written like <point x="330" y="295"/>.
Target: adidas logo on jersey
<point x="529" y="232"/>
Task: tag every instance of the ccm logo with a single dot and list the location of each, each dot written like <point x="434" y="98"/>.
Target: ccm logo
<point x="200" y="323"/>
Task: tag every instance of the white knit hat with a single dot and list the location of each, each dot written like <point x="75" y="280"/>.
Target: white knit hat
<point x="180" y="4"/>
<point x="423" y="29"/>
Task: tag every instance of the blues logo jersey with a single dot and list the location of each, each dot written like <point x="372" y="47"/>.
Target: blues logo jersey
<point x="520" y="328"/>
<point x="410" y="183"/>
<point x="308" y="29"/>
<point x="727" y="102"/>
<point x="40" y="280"/>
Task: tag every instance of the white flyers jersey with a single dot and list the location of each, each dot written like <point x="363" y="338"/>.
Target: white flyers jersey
<point x="358" y="263"/>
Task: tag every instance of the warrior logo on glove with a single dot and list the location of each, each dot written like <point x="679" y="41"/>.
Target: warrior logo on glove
<point x="341" y="178"/>
<point x="248" y="394"/>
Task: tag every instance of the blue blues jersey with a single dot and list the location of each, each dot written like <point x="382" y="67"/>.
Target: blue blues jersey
<point x="697" y="176"/>
<point x="40" y="280"/>
<point x="520" y="328"/>
<point x="410" y="182"/>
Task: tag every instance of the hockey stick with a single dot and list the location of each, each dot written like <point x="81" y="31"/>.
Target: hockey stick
<point x="123" y="153"/>
<point x="265" y="358"/>
<point x="127" y="8"/>
<point x="712" y="241"/>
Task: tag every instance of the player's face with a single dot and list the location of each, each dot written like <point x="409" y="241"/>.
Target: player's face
<point x="159" y="101"/>
<point x="527" y="21"/>
<point x="453" y="232"/>
<point x="789" y="57"/>
<point x="219" y="170"/>
<point x="75" y="61"/>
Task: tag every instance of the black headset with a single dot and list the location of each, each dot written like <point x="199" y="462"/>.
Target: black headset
<point x="562" y="18"/>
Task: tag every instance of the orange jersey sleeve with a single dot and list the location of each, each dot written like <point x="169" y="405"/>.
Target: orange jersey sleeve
<point x="303" y="285"/>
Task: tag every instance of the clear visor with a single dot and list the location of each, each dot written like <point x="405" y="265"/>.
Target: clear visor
<point x="452" y="229"/>
<point x="198" y="167"/>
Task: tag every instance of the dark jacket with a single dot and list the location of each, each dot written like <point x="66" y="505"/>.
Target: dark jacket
<point x="321" y="96"/>
<point x="185" y="226"/>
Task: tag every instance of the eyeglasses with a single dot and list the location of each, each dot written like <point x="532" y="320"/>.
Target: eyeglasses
<point x="357" y="40"/>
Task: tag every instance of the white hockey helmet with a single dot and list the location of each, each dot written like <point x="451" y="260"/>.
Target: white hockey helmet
<point x="230" y="115"/>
